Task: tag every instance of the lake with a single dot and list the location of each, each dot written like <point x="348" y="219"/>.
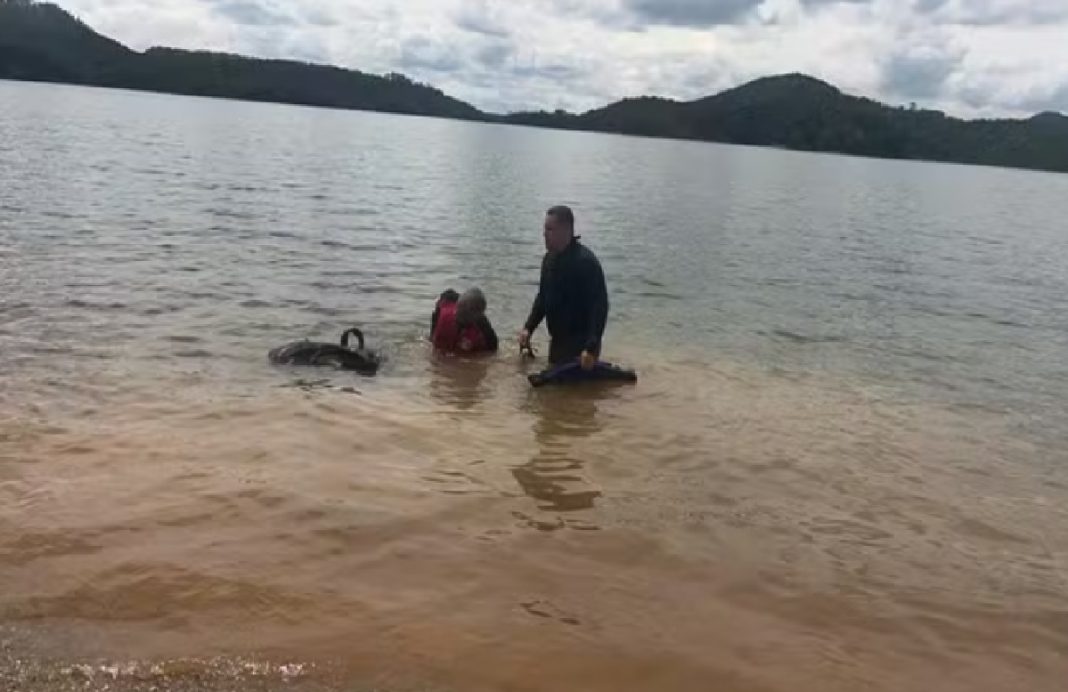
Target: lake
<point x="842" y="467"/>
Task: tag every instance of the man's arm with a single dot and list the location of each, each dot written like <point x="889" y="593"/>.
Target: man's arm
<point x="537" y="311"/>
<point x="595" y="293"/>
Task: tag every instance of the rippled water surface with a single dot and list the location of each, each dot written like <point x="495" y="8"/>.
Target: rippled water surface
<point x="842" y="467"/>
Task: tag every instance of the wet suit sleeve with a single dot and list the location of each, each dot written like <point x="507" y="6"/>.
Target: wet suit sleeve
<point x="537" y="311"/>
<point x="595" y="293"/>
<point x="488" y="334"/>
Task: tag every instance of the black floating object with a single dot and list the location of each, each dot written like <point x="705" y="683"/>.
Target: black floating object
<point x="569" y="373"/>
<point x="340" y="356"/>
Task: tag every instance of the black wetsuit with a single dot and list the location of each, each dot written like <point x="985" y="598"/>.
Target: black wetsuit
<point x="573" y="300"/>
<point x="488" y="334"/>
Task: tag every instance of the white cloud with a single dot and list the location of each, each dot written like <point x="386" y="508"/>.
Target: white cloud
<point x="969" y="57"/>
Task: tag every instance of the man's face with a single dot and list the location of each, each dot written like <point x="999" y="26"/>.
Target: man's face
<point x="557" y="234"/>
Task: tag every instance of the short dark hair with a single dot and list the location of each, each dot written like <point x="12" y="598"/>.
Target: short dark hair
<point x="475" y="299"/>
<point x="563" y="214"/>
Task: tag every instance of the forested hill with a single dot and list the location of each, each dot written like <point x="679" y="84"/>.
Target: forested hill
<point x="42" y="42"/>
<point x="799" y="112"/>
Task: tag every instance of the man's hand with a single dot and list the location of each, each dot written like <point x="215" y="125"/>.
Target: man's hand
<point x="587" y="360"/>
<point x="523" y="337"/>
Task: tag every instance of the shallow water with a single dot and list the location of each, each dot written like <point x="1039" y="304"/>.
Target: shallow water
<point x="842" y="467"/>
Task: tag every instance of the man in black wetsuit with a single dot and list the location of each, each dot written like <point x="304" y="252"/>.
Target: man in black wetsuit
<point x="572" y="296"/>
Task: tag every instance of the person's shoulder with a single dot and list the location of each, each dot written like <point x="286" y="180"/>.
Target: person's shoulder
<point x="585" y="254"/>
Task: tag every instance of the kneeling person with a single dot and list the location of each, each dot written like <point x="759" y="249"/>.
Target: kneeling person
<point x="459" y="323"/>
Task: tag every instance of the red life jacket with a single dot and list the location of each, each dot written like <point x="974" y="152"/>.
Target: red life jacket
<point x="449" y="336"/>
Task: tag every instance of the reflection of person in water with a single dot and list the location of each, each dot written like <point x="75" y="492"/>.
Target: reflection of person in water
<point x="460" y="383"/>
<point x="554" y="475"/>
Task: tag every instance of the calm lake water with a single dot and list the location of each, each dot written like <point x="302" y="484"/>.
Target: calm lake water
<point x="842" y="468"/>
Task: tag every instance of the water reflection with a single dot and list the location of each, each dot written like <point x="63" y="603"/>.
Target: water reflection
<point x="459" y="382"/>
<point x="554" y="475"/>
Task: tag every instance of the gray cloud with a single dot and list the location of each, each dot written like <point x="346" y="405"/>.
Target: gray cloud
<point x="1004" y="90"/>
<point x="919" y="73"/>
<point x="280" y="42"/>
<point x="478" y="17"/>
<point x="317" y="16"/>
<point x="700" y="81"/>
<point x="262" y="13"/>
<point x="691" y="13"/>
<point x="816" y="3"/>
<point x="611" y="15"/>
<point x="500" y="77"/>
<point x="424" y="54"/>
<point x="251" y="13"/>
<point x="494" y="55"/>
<point x="555" y="72"/>
<point x="994" y="12"/>
<point x="1056" y="99"/>
<point x="929" y="6"/>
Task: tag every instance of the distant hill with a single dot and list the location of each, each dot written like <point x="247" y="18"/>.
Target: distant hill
<point x="799" y="112"/>
<point x="42" y="42"/>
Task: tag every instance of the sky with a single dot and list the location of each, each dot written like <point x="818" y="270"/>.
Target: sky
<point x="971" y="58"/>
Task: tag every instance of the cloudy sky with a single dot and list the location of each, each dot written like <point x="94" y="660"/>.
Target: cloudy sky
<point x="968" y="57"/>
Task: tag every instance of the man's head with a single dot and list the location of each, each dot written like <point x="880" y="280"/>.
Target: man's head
<point x="559" y="228"/>
<point x="471" y="306"/>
